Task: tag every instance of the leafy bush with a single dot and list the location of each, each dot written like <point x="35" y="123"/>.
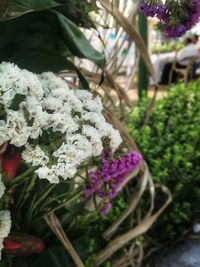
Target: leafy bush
<point x="165" y="48"/>
<point x="170" y="144"/>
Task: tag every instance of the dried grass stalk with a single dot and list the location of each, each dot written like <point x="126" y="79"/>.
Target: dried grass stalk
<point x="128" y="27"/>
<point x="112" y="118"/>
<point x="57" y="229"/>
<point x="139" y="190"/>
<point x="124" y="239"/>
<point x="3" y="8"/>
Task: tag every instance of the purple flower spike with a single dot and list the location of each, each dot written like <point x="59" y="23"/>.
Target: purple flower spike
<point x="176" y="32"/>
<point x="112" y="194"/>
<point x="160" y="11"/>
<point x="107" y="179"/>
<point x="107" y="154"/>
<point x="148" y="9"/>
<point x="107" y="205"/>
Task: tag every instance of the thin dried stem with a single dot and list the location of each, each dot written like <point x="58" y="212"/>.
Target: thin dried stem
<point x="57" y="229"/>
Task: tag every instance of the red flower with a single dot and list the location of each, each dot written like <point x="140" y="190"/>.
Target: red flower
<point x="20" y="244"/>
<point x="11" y="245"/>
<point x="11" y="163"/>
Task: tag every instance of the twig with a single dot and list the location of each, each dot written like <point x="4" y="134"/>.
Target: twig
<point x="57" y="229"/>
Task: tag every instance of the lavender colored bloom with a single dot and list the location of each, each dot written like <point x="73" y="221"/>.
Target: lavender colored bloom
<point x="88" y="190"/>
<point x="148" y="9"/>
<point x="160" y="11"/>
<point x="152" y="10"/>
<point x="112" y="193"/>
<point x="100" y="193"/>
<point x="107" y="154"/>
<point x="106" y="180"/>
<point x="107" y="205"/>
<point x="193" y="18"/>
<point x="175" y="32"/>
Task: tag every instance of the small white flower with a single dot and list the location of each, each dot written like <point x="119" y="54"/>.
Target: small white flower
<point x="5" y="226"/>
<point x="5" y="223"/>
<point x="35" y="155"/>
<point x="60" y="93"/>
<point x="52" y="103"/>
<point x="47" y="173"/>
<point x="33" y="105"/>
<point x="95" y="139"/>
<point x="4" y="137"/>
<point x="33" y="84"/>
<point x="94" y="105"/>
<point x="83" y="94"/>
<point x="73" y="101"/>
<point x="2" y="187"/>
<point x="50" y="82"/>
<point x="64" y="170"/>
<point x="7" y="97"/>
<point x="18" y="131"/>
<point x="81" y="143"/>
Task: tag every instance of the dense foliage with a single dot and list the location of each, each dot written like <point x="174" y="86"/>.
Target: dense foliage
<point x="165" y="48"/>
<point x="170" y="144"/>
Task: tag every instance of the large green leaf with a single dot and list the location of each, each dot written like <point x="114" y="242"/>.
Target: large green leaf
<point x="31" y="32"/>
<point x="79" y="13"/>
<point x="72" y="9"/>
<point x="77" y="42"/>
<point x="44" y="32"/>
<point x="30" y="5"/>
<point x="42" y="61"/>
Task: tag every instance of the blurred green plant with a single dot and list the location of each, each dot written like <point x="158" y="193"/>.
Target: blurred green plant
<point x="170" y="144"/>
<point x="168" y="47"/>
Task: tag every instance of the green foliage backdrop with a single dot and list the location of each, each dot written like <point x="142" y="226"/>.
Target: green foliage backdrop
<point x="170" y="144"/>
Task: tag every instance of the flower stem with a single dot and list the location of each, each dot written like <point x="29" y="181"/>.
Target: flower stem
<point x="21" y="178"/>
<point x="63" y="204"/>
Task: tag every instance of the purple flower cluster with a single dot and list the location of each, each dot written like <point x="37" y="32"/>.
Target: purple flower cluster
<point x="193" y="18"/>
<point x="106" y="180"/>
<point x="160" y="11"/>
<point x="154" y="10"/>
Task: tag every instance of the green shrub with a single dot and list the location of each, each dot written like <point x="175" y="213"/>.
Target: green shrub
<point x="170" y="144"/>
<point x="165" y="48"/>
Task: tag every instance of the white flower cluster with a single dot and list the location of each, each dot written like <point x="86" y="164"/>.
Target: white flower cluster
<point x="2" y="187"/>
<point x="5" y="220"/>
<point x="49" y="106"/>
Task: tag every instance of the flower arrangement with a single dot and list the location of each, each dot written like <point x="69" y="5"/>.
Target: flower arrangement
<point x="177" y="16"/>
<point x="50" y="134"/>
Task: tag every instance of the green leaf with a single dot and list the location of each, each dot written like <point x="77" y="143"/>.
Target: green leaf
<point x="41" y="61"/>
<point x="47" y="33"/>
<point x="30" y="5"/>
<point x="16" y="101"/>
<point x="75" y="11"/>
<point x="77" y="42"/>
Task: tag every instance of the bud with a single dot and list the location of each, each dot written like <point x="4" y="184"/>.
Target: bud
<point x="20" y="244"/>
<point x="11" y="163"/>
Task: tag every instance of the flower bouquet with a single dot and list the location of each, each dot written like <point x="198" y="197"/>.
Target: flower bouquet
<point x="56" y="152"/>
